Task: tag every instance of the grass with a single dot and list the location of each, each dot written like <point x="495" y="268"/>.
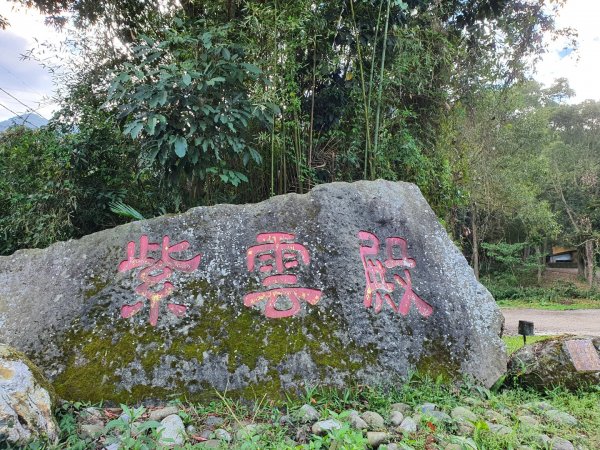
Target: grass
<point x="514" y="343"/>
<point x="274" y="433"/>
<point x="542" y="303"/>
<point x="554" y="293"/>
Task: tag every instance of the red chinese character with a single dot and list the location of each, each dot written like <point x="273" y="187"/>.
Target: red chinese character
<point x="378" y="289"/>
<point x="154" y="273"/>
<point x="276" y="255"/>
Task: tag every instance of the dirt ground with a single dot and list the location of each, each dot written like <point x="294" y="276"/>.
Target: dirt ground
<point x="581" y="321"/>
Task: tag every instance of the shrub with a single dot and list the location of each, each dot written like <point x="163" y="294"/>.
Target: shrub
<point x="37" y="196"/>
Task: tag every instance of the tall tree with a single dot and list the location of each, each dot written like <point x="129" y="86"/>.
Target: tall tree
<point x="575" y="174"/>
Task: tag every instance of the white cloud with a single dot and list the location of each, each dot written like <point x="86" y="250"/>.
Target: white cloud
<point x="581" y="68"/>
<point x="24" y="79"/>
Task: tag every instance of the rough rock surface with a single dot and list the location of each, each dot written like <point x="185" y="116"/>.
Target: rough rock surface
<point x="103" y="325"/>
<point x="557" y="362"/>
<point x="25" y="403"/>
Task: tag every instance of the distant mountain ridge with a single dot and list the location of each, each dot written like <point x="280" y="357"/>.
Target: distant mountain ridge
<point x="28" y="120"/>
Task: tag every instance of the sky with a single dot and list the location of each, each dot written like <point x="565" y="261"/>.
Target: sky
<point x="25" y="85"/>
<point x="24" y="82"/>
<point x="581" y="67"/>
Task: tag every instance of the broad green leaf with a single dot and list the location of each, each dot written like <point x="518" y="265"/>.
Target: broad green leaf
<point x="151" y="125"/>
<point x="162" y="98"/>
<point x="186" y="79"/>
<point x="135" y="130"/>
<point x="207" y="40"/>
<point x="180" y="146"/>
<point x="214" y="80"/>
<point x="251" y="68"/>
<point x="255" y="155"/>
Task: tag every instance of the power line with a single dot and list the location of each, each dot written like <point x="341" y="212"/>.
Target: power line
<point x="18" y="115"/>
<point x="28" y="107"/>
<point x="10" y="72"/>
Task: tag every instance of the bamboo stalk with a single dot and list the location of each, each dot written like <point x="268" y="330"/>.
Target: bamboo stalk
<point x="273" y="158"/>
<point x="380" y="88"/>
<point x="372" y="74"/>
<point x="364" y="93"/>
<point x="312" y="106"/>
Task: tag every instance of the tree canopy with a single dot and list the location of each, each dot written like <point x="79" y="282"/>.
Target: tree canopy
<point x="200" y="102"/>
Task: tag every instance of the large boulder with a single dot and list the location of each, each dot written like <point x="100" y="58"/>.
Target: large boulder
<point x="348" y="283"/>
<point x="572" y="362"/>
<point x="26" y="401"/>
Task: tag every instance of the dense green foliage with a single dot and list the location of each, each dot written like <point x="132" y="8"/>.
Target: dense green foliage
<point x="185" y="97"/>
<point x="169" y="105"/>
<point x="36" y="193"/>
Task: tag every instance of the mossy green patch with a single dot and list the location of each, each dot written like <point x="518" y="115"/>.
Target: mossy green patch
<point x="97" y="285"/>
<point x="99" y="356"/>
<point x="246" y="336"/>
<point x="438" y="361"/>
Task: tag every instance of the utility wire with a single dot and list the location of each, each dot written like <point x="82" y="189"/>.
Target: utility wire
<point x="18" y="115"/>
<point x="28" y="107"/>
<point x="30" y="88"/>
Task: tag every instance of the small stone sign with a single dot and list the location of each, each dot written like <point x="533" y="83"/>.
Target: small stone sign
<point x="572" y="362"/>
<point x="350" y="283"/>
<point x="584" y="355"/>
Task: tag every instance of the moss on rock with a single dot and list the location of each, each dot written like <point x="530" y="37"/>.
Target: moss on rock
<point x="98" y="356"/>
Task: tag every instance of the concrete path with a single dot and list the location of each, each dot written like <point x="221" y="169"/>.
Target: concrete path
<point x="581" y="321"/>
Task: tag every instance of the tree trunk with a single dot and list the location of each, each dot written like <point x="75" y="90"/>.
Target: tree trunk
<point x="589" y="262"/>
<point x="541" y="264"/>
<point x="475" y="257"/>
<point x="580" y="259"/>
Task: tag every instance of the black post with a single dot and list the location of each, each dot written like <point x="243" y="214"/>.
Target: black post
<point x="525" y="329"/>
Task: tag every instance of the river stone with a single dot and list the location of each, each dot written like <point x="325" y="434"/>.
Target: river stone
<point x="396" y="418"/>
<point x="307" y="414"/>
<point x="90" y="430"/>
<point x="376" y="438"/>
<point x="26" y="401"/>
<point x="356" y="421"/>
<point x="171" y="431"/>
<point x="402" y="407"/>
<point x="408" y="425"/>
<point x="207" y="313"/>
<point x="462" y="413"/>
<point x="559" y="443"/>
<point x="373" y="420"/>
<point x="159" y="414"/>
<point x="426" y="408"/>
<point x="91" y="416"/>
<point x="213" y="421"/>
<point x="323" y="426"/>
<point x="528" y="421"/>
<point x="560" y="361"/>
<point x="560" y="417"/>
<point x="499" y="429"/>
<point x="223" y="435"/>
<point x="440" y="416"/>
